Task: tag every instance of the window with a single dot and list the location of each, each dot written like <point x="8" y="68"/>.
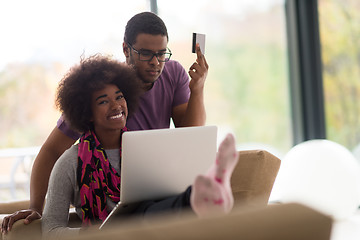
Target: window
<point x="339" y="34"/>
<point x="40" y="40"/>
<point x="247" y="89"/>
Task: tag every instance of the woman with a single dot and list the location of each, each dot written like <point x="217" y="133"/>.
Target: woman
<point x="96" y="97"/>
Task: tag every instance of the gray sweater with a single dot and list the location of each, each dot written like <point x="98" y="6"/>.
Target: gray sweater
<point x="63" y="190"/>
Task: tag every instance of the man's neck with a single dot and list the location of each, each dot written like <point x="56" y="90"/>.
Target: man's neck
<point x="148" y="86"/>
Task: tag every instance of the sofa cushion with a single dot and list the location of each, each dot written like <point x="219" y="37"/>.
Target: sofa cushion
<point x="254" y="177"/>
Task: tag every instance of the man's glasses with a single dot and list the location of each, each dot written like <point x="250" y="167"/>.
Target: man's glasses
<point x="147" y="55"/>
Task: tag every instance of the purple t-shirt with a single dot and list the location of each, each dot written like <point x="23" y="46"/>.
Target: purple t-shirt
<point x="155" y="107"/>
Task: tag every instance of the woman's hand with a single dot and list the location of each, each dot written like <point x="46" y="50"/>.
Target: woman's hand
<point x="28" y="215"/>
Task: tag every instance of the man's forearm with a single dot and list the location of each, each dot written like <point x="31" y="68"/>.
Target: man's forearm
<point x="195" y="113"/>
<point x="39" y="182"/>
<point x="54" y="146"/>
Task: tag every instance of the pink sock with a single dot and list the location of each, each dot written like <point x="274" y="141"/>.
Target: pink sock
<point x="212" y="194"/>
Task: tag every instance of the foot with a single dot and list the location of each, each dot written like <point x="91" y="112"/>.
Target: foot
<point x="212" y="194"/>
<point x="226" y="160"/>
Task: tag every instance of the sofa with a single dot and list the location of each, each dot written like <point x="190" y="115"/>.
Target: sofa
<point x="251" y="218"/>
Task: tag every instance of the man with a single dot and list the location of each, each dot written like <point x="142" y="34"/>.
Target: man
<point x="169" y="94"/>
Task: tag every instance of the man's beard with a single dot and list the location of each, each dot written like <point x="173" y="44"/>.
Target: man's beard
<point x="133" y="65"/>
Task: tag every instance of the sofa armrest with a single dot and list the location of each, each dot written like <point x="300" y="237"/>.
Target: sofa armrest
<point x="32" y="231"/>
<point x="19" y="231"/>
<point x="254" y="177"/>
<point x="280" y="222"/>
<point x="10" y="207"/>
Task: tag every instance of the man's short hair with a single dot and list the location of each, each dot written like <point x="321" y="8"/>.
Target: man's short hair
<point x="145" y="22"/>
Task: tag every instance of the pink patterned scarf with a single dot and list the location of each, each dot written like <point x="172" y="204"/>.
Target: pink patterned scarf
<point x="96" y="178"/>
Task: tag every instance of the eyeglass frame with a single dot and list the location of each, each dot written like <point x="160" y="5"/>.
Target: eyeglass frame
<point x="153" y="54"/>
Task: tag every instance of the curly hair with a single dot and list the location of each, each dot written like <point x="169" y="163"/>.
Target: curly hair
<point x="75" y="90"/>
<point x="145" y="22"/>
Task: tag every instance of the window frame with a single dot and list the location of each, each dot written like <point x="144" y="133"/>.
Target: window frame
<point x="305" y="70"/>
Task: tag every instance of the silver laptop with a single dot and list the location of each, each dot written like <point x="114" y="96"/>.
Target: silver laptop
<point x="162" y="163"/>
